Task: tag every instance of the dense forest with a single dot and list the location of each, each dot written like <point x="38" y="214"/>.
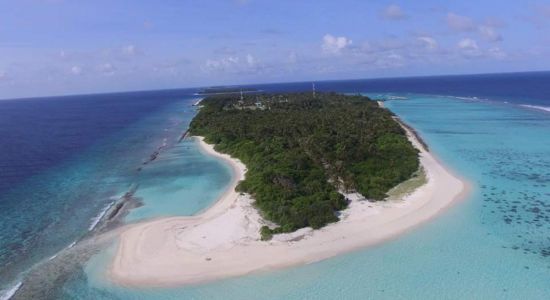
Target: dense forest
<point x="300" y="150"/>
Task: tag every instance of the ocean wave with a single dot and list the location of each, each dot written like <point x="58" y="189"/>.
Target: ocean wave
<point x="543" y="108"/>
<point x="100" y="216"/>
<point x="197" y="101"/>
<point x="467" y="98"/>
<point x="397" y="98"/>
<point x="71" y="245"/>
<point x="7" y="294"/>
<point x="68" y="247"/>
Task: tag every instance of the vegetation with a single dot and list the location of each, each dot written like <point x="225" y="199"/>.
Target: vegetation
<point x="301" y="150"/>
<point x="405" y="188"/>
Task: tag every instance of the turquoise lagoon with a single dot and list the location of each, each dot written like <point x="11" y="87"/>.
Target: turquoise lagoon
<point x="495" y="244"/>
<point x="181" y="181"/>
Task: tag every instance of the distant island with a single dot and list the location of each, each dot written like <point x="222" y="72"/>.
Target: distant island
<point x="224" y="90"/>
<point x="301" y="150"/>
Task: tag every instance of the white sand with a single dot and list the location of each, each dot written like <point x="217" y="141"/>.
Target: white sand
<point x="223" y="241"/>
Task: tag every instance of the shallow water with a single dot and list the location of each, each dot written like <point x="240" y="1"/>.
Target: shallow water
<point x="182" y="181"/>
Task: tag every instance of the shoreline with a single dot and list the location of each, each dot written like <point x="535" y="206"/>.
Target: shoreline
<point x="224" y="241"/>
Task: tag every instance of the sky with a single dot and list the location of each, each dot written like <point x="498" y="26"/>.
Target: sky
<point x="61" y="47"/>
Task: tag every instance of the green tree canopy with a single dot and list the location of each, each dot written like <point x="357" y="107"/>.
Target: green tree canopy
<point x="300" y="150"/>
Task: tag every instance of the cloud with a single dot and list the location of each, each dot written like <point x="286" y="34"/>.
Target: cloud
<point x="129" y="50"/>
<point x="497" y="53"/>
<point x="335" y="45"/>
<point x="468" y="44"/>
<point x="106" y="69"/>
<point x="76" y="70"/>
<point x="389" y="61"/>
<point x="245" y="64"/>
<point x="469" y="48"/>
<point x="179" y="67"/>
<point x="460" y="23"/>
<point x="385" y="54"/>
<point x="428" y="42"/>
<point x="95" y="57"/>
<point x="394" y="12"/>
<point x="221" y="64"/>
<point x="489" y="33"/>
<point x="486" y="30"/>
<point x="250" y="60"/>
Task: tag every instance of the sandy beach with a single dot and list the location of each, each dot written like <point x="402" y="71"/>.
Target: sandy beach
<point x="224" y="241"/>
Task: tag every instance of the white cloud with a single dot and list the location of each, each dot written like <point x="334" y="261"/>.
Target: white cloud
<point x="335" y="45"/>
<point x="175" y="68"/>
<point x="232" y="64"/>
<point x="497" y="53"/>
<point x="129" y="50"/>
<point x="106" y="69"/>
<point x="222" y="64"/>
<point x="486" y="30"/>
<point x="469" y="48"/>
<point x="460" y="23"/>
<point x="394" y="12"/>
<point x="389" y="61"/>
<point x="76" y="70"/>
<point x="428" y="42"/>
<point x="489" y="33"/>
<point x="468" y="44"/>
<point x="250" y="60"/>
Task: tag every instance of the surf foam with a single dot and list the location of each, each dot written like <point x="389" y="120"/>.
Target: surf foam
<point x="7" y="294"/>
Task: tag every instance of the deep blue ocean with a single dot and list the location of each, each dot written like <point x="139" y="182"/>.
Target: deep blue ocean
<point x="64" y="160"/>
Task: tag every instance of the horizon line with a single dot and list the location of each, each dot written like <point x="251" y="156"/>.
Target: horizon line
<point x="271" y="83"/>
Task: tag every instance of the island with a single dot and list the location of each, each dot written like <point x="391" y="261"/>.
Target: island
<point x="303" y="152"/>
<point x="314" y="176"/>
